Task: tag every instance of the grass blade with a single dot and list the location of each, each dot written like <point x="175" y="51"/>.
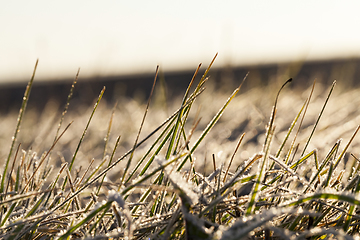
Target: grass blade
<point x="180" y="114"/>
<point x="105" y="207"/>
<point x="84" y="132"/>
<point x="141" y="125"/>
<point x="266" y="149"/>
<point x="86" y="128"/>
<point x="211" y="124"/>
<point x="232" y="157"/>
<point x="17" y="129"/>
<point x="318" y="119"/>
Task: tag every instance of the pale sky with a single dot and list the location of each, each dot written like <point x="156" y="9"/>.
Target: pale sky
<point x="128" y="37"/>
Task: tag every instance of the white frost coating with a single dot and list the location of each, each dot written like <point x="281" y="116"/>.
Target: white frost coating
<point x="215" y="173"/>
<point x="179" y="183"/>
<point x="160" y="160"/>
<point x="99" y="204"/>
<point x="243" y="226"/>
<point x="114" y="196"/>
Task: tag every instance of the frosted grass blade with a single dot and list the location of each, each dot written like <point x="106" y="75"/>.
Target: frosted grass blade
<point x="141" y="126"/>
<point x="17" y="129"/>
<point x="86" y="128"/>
<point x="266" y="149"/>
<point x="211" y="124"/>
<point x="318" y="119"/>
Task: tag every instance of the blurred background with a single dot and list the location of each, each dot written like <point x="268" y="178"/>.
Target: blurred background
<point x="122" y="42"/>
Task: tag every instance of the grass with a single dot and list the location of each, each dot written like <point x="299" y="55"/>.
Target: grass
<point x="279" y="168"/>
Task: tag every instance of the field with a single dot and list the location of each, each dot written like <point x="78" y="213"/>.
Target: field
<point x="266" y="163"/>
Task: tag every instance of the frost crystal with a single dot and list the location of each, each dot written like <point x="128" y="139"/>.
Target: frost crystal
<point x="114" y="196"/>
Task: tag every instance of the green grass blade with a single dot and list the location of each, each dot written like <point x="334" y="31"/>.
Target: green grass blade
<point x="352" y="209"/>
<point x="348" y="198"/>
<point x="260" y="176"/>
<point x="115" y="163"/>
<point x="302" y="159"/>
<point x="86" y="128"/>
<point x="98" y="220"/>
<point x="180" y="114"/>
<point x="266" y="149"/>
<point x="53" y="184"/>
<point x="307" y="102"/>
<point x="198" y="89"/>
<point x="211" y="124"/>
<point x="241" y="171"/>
<point x="225" y="192"/>
<point x="293" y="166"/>
<point x="287" y="137"/>
<point x="147" y="165"/>
<point x="14" y="234"/>
<point x="37" y="205"/>
<point x="91" y="215"/>
<point x="323" y="164"/>
<point x="203" y="78"/>
<point x="7" y="215"/>
<point x="84" y="132"/>
<point x="327" y="181"/>
<point x="169" y="121"/>
<point x="348" y="218"/>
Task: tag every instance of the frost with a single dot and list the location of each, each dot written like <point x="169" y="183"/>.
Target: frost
<point x="99" y="205"/>
<point x="160" y="160"/>
<point x="114" y="196"/>
<point x="244" y="226"/>
<point x="185" y="187"/>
